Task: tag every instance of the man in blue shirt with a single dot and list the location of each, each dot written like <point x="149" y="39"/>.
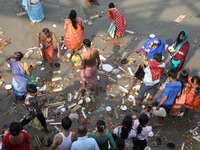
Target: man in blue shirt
<point x="171" y="91"/>
<point x="83" y="142"/>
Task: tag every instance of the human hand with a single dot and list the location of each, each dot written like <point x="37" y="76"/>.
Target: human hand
<point x="58" y="55"/>
<point x="158" y="107"/>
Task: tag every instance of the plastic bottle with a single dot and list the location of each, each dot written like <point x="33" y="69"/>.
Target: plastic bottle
<point x="32" y="78"/>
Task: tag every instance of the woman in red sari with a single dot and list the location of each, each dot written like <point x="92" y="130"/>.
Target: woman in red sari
<point x="16" y="139"/>
<point x="117" y="18"/>
<point x="193" y="97"/>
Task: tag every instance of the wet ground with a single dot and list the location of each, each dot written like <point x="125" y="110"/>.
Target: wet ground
<point x="143" y="17"/>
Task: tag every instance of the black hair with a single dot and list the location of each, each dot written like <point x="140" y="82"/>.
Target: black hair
<point x="15" y="128"/>
<point x="183" y="77"/>
<point x="66" y="123"/>
<point x="19" y="56"/>
<point x="31" y="88"/>
<point x="143" y="119"/>
<point x="172" y="73"/>
<point x="178" y="38"/>
<point x="101" y="125"/>
<point x="82" y="129"/>
<point x="157" y="57"/>
<point x="72" y="17"/>
<point x="87" y="42"/>
<point x="111" y="5"/>
<point x="195" y="78"/>
<point x="120" y="143"/>
<point x="45" y="31"/>
<point x="126" y="127"/>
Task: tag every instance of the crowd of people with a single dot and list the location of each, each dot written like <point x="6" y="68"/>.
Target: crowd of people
<point x="180" y="93"/>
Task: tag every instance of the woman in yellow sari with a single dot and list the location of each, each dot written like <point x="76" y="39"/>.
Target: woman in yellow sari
<point x="74" y="30"/>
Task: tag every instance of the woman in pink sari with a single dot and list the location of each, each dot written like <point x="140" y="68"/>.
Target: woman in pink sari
<point x="74" y="30"/>
<point x="117" y="18"/>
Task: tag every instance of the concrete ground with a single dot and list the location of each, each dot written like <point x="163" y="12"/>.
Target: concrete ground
<point x="143" y="17"/>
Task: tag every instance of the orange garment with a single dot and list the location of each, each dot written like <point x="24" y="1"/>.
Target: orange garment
<point x="179" y="101"/>
<point x="91" y="1"/>
<point x="73" y="37"/>
<point x="22" y="146"/>
<point x="190" y="104"/>
<point x="120" y="21"/>
<point x="48" y="53"/>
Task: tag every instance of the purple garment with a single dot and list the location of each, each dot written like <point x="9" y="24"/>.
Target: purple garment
<point x="19" y="80"/>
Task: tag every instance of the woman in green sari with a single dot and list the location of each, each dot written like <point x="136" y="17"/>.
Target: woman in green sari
<point x="181" y="47"/>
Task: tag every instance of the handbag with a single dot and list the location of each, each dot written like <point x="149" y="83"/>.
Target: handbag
<point x="111" y="30"/>
<point x="140" y="73"/>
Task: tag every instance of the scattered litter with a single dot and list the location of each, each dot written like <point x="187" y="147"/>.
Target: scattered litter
<point x="90" y="23"/>
<point x="93" y="17"/>
<point x="28" y="54"/>
<point x="180" y="18"/>
<point x="39" y="62"/>
<point x="123" y="107"/>
<point x="151" y="36"/>
<point x="54" y="25"/>
<point x="8" y="87"/>
<point x="123" y="89"/>
<point x="56" y="79"/>
<point x="128" y="31"/>
<point x="107" y="67"/>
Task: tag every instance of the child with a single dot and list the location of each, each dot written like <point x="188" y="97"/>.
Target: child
<point x="33" y="107"/>
<point x="142" y="131"/>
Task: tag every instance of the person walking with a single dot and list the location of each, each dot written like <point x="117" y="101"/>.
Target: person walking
<point x="89" y="66"/>
<point x="45" y="41"/>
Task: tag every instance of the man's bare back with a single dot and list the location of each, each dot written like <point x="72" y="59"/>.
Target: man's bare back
<point x="90" y="57"/>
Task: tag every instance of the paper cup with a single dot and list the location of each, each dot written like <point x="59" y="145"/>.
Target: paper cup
<point x="151" y="36"/>
<point x="8" y="87"/>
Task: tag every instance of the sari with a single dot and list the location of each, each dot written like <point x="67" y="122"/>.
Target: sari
<point x="73" y="37"/>
<point x="178" y="60"/>
<point x="150" y="51"/>
<point x="120" y="21"/>
<point x="190" y="104"/>
<point x="179" y="101"/>
<point x="34" y="11"/>
<point x="20" y="79"/>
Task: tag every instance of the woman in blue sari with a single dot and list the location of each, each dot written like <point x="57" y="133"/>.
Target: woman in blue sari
<point x="20" y="71"/>
<point x="34" y="10"/>
<point x="152" y="46"/>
